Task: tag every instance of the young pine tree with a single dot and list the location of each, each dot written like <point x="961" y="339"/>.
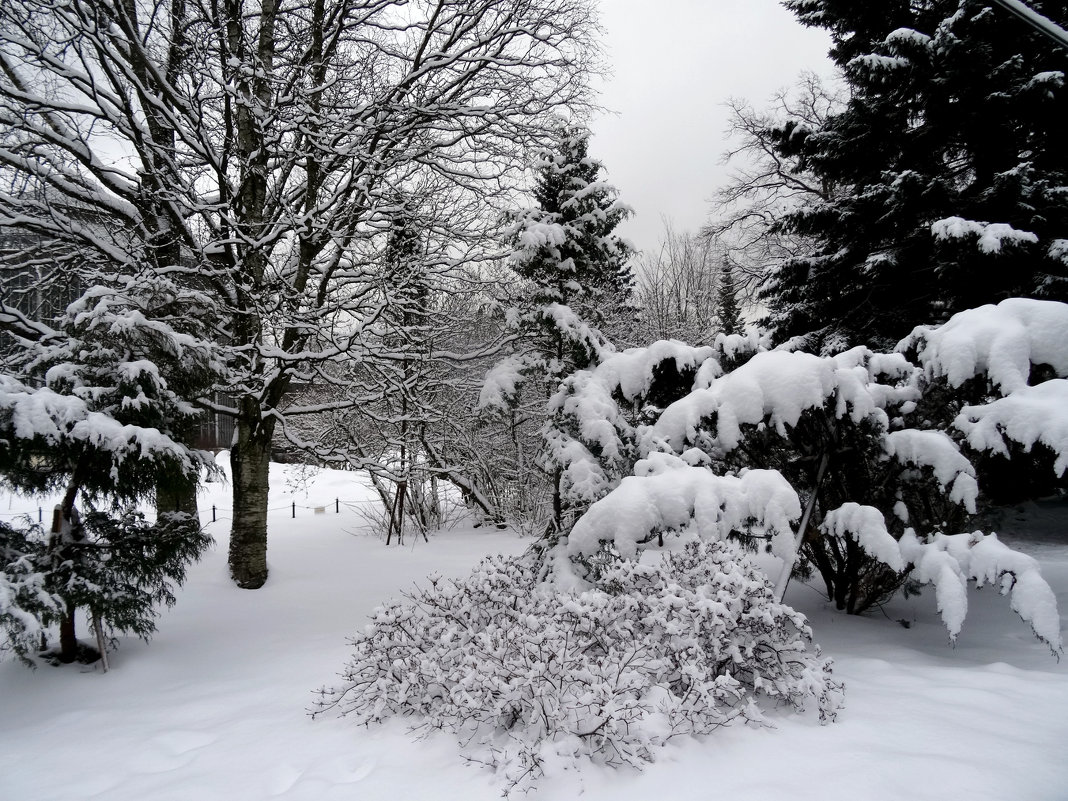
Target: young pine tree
<point x="575" y="293"/>
<point x="568" y="251"/>
<point x="94" y="411"/>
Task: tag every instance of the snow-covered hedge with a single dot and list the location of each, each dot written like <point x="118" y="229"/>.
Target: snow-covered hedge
<point x="526" y="675"/>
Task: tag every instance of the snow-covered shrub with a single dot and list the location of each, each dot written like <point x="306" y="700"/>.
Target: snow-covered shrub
<point x="788" y="411"/>
<point x="592" y="434"/>
<point x="994" y="376"/>
<point x="949" y="562"/>
<point x="526" y="675"/>
<point x="879" y="448"/>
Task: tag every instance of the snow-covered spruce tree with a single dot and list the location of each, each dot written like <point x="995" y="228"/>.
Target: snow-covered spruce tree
<point x="92" y="410"/>
<point x="575" y="278"/>
<point x="268" y="140"/>
<point x="950" y="185"/>
<point x="885" y="488"/>
<point x="568" y="248"/>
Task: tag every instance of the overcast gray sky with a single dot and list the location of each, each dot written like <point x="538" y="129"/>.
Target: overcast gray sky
<point x="675" y="62"/>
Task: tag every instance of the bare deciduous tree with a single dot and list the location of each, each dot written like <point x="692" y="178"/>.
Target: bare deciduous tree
<point x="764" y="183"/>
<point x="255" y="151"/>
<point x="676" y="288"/>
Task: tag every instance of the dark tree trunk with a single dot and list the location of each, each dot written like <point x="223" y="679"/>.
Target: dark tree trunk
<point x="177" y="493"/>
<point x="65" y="531"/>
<point x="68" y="640"/>
<point x="250" y="461"/>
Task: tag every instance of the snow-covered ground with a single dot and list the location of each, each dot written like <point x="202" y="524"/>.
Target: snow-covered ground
<point x="215" y="707"/>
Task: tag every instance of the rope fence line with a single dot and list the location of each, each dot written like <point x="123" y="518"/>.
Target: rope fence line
<point x="26" y="513"/>
<point x="291" y="507"/>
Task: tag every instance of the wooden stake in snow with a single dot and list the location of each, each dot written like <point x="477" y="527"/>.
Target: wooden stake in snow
<point x="98" y="629"/>
<point x="788" y="566"/>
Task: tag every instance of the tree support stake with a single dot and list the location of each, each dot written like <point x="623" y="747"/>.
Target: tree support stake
<point x="788" y="567"/>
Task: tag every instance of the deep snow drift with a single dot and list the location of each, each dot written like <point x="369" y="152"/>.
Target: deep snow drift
<point x="216" y="706"/>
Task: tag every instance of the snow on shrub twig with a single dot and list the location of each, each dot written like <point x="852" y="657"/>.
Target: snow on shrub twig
<point x="950" y="561"/>
<point x="666" y="493"/>
<point x="1030" y="415"/>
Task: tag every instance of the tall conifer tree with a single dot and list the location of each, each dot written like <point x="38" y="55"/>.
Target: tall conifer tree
<point x="951" y="149"/>
<point x="577" y="288"/>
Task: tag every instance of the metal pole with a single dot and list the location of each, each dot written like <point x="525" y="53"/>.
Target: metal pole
<point x="1043" y="25"/>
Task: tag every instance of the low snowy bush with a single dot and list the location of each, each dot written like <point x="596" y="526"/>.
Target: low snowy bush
<point x="526" y="675"/>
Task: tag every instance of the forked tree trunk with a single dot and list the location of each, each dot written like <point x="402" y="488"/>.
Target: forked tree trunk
<point x="64" y="530"/>
<point x="177" y="494"/>
<point x="250" y="461"/>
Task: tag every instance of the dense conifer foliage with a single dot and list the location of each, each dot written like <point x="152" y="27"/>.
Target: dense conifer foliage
<point x="949" y="163"/>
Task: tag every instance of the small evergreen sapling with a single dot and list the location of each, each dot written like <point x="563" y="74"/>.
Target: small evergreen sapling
<point x="91" y="411"/>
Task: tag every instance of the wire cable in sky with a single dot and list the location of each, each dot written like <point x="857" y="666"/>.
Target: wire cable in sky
<point x="1037" y="21"/>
